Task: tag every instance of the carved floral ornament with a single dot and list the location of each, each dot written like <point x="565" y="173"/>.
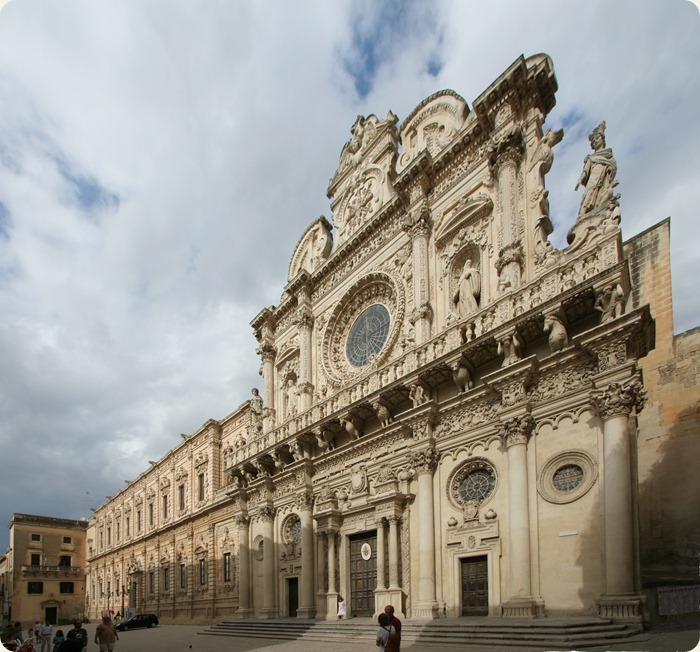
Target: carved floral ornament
<point x="378" y="289"/>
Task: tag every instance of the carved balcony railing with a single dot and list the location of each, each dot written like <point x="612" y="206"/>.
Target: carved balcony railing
<point x="50" y="570"/>
<point x="573" y="284"/>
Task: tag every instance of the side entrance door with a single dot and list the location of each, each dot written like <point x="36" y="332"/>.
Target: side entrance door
<point x="50" y="614"/>
<point x="363" y="573"/>
<point x="293" y="599"/>
<point x="475" y="586"/>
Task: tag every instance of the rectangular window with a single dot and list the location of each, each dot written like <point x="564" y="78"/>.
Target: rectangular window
<point x="119" y="523"/>
<point x="64" y="560"/>
<point x="151" y="582"/>
<point x="181" y="497"/>
<point x="150" y="514"/>
<point x="165" y="507"/>
<point x="36" y="560"/>
<point x="200" y="487"/>
<point x="227" y="567"/>
<point x="126" y="525"/>
<point x="35" y="588"/>
<point x="109" y="536"/>
<point x="138" y="520"/>
<point x="183" y="576"/>
<point x="67" y="587"/>
<point x="166" y="580"/>
<point x="67" y="540"/>
<point x="36" y="537"/>
<point x="202" y="572"/>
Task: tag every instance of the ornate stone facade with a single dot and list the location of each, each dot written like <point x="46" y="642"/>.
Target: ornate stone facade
<point x="449" y="401"/>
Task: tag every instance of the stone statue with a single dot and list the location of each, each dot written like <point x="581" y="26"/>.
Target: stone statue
<point x="417" y="394"/>
<point x="466" y="297"/>
<point x="610" y="303"/>
<point x="256" y="407"/>
<point x="558" y="338"/>
<point x="598" y="176"/>
<point x="461" y="377"/>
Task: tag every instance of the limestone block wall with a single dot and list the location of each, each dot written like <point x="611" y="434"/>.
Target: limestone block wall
<point x="669" y="426"/>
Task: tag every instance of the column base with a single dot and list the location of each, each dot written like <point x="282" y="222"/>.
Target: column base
<point x="269" y="613"/>
<point x="426" y="611"/>
<point x="392" y="596"/>
<point x="331" y="600"/>
<point x="622" y="607"/>
<point x="244" y="614"/>
<point x="307" y="612"/>
<point x="525" y="607"/>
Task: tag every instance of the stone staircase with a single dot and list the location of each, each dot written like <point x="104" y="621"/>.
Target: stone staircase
<point x="545" y="633"/>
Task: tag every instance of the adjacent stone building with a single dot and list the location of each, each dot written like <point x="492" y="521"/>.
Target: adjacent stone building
<point x="451" y="404"/>
<point x="42" y="574"/>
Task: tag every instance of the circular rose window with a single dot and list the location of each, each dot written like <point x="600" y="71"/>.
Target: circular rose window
<point x="367" y="335"/>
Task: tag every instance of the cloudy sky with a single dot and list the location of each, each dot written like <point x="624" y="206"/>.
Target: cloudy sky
<point x="159" y="161"/>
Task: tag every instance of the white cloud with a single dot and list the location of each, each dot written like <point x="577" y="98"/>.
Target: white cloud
<point x="158" y="163"/>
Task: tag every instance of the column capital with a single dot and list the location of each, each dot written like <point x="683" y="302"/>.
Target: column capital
<point x="619" y="399"/>
<point x="267" y="514"/>
<point x="242" y="521"/>
<point x="517" y="430"/>
<point x="266" y="351"/>
<point x="304" y="318"/>
<point x="305" y="501"/>
<point x="508" y="147"/>
<point x="425" y="461"/>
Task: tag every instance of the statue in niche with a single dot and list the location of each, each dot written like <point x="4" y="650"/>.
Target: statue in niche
<point x="417" y="394"/>
<point x="256" y="407"/>
<point x="290" y="407"/>
<point x="598" y="176"/>
<point x="610" y="303"/>
<point x="466" y="297"/>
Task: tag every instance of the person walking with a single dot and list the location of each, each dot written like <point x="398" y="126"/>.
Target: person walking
<point x="106" y="635"/>
<point x="46" y="634"/>
<point x="58" y="640"/>
<point x="76" y="640"/>
<point x="396" y="624"/>
<point x="386" y="634"/>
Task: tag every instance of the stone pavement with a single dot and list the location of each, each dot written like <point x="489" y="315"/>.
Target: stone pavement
<point x="670" y="637"/>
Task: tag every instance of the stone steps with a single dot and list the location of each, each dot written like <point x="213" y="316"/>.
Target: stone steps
<point x="542" y="632"/>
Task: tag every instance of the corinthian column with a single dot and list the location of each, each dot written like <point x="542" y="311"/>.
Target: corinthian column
<point x="267" y="352"/>
<point x="419" y="231"/>
<point x="305" y="322"/>
<point x="244" y="610"/>
<point x="269" y="610"/>
<point x="307" y="606"/>
<point x="515" y="434"/>
<point x="425" y="463"/>
<point x="615" y="404"/>
<point x="505" y="156"/>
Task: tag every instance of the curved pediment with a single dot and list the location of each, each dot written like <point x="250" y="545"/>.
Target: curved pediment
<point x="312" y="249"/>
<point x="469" y="209"/>
<point x="433" y="125"/>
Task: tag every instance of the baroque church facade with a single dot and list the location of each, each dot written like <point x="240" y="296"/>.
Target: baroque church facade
<point x="450" y="406"/>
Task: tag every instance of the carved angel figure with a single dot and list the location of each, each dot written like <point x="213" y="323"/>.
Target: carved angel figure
<point x="598" y="175"/>
<point x="466" y="297"/>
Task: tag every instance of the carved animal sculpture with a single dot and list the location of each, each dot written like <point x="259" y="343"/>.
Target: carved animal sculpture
<point x="558" y="338"/>
<point x="462" y="377"/>
<point x="353" y="427"/>
<point x="383" y="414"/>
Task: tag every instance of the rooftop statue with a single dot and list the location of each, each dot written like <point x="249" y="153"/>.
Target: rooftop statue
<point x="598" y="176"/>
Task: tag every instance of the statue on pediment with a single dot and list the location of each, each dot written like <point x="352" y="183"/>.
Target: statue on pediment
<point x="598" y="176"/>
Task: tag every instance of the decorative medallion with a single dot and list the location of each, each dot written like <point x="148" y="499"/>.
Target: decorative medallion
<point x="366" y="551"/>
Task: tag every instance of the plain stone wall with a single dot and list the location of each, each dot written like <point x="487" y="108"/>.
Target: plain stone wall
<point x="669" y="439"/>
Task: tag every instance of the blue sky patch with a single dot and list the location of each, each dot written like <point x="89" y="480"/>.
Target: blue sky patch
<point x="87" y="191"/>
